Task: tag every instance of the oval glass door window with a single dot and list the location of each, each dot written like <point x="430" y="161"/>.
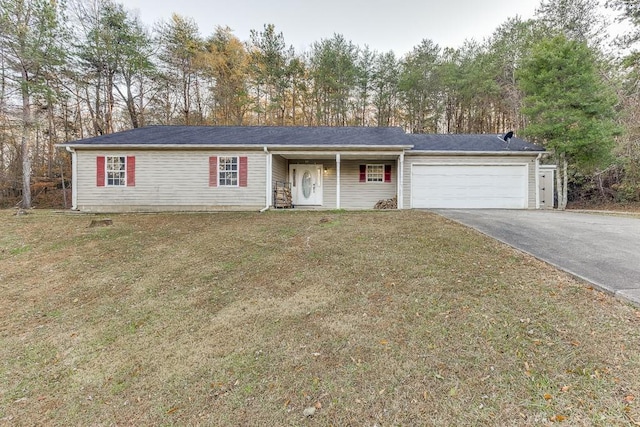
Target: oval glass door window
<point x="306" y="184"/>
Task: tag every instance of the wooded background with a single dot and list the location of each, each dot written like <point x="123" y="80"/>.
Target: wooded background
<point x="85" y="68"/>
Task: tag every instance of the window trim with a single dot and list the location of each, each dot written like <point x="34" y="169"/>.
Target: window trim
<point x="369" y="174"/>
<point x="221" y="171"/>
<point x="107" y="171"/>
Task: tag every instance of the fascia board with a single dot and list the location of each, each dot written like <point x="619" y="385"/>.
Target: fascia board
<point x="236" y="146"/>
<point x="472" y="153"/>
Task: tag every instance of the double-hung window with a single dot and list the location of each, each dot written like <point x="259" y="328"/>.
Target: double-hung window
<point x="228" y="171"/>
<point x="375" y="173"/>
<point x="116" y="171"/>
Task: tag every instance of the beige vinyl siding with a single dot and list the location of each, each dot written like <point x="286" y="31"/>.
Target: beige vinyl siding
<point x="329" y="181"/>
<point x="169" y="180"/>
<point x="279" y="172"/>
<point x="469" y="159"/>
<point x="279" y="168"/>
<point x="364" y="195"/>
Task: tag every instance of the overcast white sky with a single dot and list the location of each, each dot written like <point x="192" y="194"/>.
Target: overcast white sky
<point x="384" y="25"/>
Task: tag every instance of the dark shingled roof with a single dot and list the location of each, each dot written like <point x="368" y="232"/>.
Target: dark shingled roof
<point x="305" y="136"/>
<point x="469" y="142"/>
<point x="253" y="135"/>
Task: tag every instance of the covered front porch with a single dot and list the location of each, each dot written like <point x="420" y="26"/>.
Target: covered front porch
<point x="338" y="180"/>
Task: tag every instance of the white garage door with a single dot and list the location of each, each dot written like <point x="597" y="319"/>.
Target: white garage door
<point x="469" y="186"/>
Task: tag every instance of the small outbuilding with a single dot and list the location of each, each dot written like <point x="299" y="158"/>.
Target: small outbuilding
<point x="207" y="168"/>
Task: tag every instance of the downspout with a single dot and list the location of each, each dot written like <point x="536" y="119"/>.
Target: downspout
<point x="74" y="178"/>
<point x="400" y="177"/>
<point x="267" y="180"/>
<point x="338" y="180"/>
<point x="538" y="180"/>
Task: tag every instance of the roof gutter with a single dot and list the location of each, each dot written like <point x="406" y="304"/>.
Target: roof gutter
<point x="234" y="146"/>
<point x="473" y="153"/>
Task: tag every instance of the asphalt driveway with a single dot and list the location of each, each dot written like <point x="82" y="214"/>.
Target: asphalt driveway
<point x="599" y="248"/>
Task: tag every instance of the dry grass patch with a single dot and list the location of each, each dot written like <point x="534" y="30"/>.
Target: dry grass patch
<point x="387" y="318"/>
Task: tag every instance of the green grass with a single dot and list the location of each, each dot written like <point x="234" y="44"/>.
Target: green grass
<point x="387" y="318"/>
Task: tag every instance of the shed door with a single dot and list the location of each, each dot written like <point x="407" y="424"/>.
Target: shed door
<point x="469" y="186"/>
<point x="547" y="195"/>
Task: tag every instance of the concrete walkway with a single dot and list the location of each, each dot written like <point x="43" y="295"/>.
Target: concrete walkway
<point x="598" y="248"/>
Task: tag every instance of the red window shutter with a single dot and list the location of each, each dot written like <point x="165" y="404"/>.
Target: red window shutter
<point x="387" y="173"/>
<point x="363" y="173"/>
<point x="213" y="171"/>
<point x="100" y="171"/>
<point x="242" y="174"/>
<point x="131" y="171"/>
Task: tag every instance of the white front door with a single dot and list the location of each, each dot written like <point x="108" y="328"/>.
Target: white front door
<point x="306" y="184"/>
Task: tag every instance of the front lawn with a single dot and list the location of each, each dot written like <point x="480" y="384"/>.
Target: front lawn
<point x="361" y="318"/>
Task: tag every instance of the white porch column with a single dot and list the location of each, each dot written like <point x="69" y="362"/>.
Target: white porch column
<point x="401" y="181"/>
<point x="337" y="180"/>
<point x="268" y="195"/>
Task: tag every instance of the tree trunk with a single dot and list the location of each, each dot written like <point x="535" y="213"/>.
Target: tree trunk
<point x="95" y="111"/>
<point x="79" y="111"/>
<point x="110" y="101"/>
<point x="129" y="100"/>
<point x="24" y="144"/>
<point x="140" y="112"/>
<point x="200" y="118"/>
<point x="3" y="117"/>
<point x="186" y="97"/>
<point x="562" y="180"/>
<point x="293" y="101"/>
<point x="565" y="178"/>
<point x="131" y="107"/>
<point x="51" y="141"/>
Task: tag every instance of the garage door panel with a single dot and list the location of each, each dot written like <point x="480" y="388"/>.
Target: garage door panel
<point x="466" y="203"/>
<point x="469" y="186"/>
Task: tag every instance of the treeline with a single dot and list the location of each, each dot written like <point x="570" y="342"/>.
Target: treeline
<point x="85" y="68"/>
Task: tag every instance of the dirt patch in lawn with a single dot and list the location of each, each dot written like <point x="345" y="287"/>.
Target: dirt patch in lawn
<point x="369" y="318"/>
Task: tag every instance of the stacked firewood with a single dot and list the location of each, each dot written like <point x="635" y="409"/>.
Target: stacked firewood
<point x="283" y="196"/>
<point x="387" y="204"/>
